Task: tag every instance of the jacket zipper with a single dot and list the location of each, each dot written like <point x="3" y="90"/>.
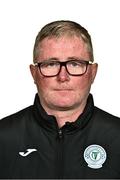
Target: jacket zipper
<point x="60" y="154"/>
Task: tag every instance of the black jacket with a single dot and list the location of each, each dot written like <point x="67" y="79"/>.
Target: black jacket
<point x="32" y="145"/>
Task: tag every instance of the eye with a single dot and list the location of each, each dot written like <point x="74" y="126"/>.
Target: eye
<point x="49" y="64"/>
<point x="75" y="64"/>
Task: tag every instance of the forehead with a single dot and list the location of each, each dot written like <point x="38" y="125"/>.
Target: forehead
<point x="63" y="47"/>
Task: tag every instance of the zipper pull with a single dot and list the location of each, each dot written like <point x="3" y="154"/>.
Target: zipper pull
<point x="60" y="134"/>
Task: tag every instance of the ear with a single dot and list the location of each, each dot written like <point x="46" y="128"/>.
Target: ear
<point x="33" y="72"/>
<point x="94" y="71"/>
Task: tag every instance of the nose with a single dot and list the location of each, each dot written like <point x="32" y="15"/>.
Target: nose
<point x="63" y="75"/>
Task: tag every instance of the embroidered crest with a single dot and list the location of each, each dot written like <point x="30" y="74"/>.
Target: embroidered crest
<point x="95" y="156"/>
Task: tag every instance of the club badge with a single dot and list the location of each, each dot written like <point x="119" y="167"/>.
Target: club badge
<point x="95" y="156"/>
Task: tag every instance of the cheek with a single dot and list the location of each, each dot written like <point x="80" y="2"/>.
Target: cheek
<point x="84" y="82"/>
<point x="42" y="85"/>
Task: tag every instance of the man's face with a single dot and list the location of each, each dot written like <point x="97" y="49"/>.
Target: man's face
<point x="63" y="91"/>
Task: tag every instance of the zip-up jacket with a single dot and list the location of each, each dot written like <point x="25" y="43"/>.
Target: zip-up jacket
<point x="33" y="147"/>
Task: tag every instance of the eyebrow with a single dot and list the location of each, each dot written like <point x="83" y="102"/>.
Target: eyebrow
<point x="68" y="58"/>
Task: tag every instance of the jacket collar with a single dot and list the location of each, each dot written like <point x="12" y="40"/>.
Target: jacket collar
<point x="49" y="122"/>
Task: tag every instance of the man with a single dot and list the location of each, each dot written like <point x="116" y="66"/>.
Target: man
<point x="63" y="135"/>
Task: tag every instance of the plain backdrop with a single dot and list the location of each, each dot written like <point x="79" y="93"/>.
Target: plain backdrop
<point x="20" y="21"/>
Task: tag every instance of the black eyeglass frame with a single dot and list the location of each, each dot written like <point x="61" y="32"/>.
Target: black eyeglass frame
<point x="64" y="64"/>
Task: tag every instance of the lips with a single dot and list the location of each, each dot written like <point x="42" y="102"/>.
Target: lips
<point x="63" y="90"/>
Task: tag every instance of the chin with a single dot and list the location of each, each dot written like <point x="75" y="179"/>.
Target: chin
<point x="65" y="105"/>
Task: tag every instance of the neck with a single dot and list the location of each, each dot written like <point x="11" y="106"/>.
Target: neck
<point x="63" y="116"/>
<point x="69" y="116"/>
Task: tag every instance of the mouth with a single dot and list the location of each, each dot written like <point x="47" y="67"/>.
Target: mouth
<point x="63" y="89"/>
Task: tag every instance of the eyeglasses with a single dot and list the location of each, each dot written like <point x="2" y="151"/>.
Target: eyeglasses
<point x="51" y="68"/>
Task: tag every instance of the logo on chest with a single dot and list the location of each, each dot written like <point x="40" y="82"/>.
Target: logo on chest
<point x="95" y="156"/>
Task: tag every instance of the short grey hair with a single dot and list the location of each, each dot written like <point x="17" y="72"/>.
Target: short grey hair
<point x="60" y="28"/>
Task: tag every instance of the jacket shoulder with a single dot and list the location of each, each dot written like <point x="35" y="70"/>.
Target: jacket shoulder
<point x="18" y="114"/>
<point x="14" y="120"/>
<point x="105" y="114"/>
<point x="104" y="118"/>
